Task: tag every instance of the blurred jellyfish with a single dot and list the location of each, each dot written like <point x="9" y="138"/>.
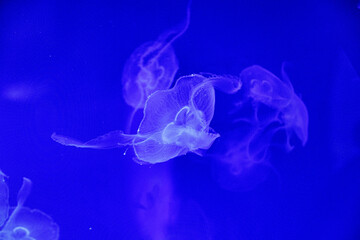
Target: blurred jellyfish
<point x="263" y="87"/>
<point x="24" y="223"/>
<point x="242" y="162"/>
<point x="176" y="121"/>
<point x="160" y="213"/>
<point x="265" y="107"/>
<point x="23" y="91"/>
<point x="155" y="203"/>
<point x="345" y="112"/>
<point x="151" y="67"/>
<point x="4" y="199"/>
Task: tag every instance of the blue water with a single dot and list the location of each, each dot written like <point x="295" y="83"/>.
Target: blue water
<point x="61" y="66"/>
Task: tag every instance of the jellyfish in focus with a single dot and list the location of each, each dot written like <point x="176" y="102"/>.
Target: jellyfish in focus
<point x="265" y="106"/>
<point x="24" y="223"/>
<point x="151" y="67"/>
<point x="176" y="121"/>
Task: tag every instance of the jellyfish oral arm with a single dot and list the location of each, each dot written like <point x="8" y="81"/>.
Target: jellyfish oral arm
<point x="21" y="198"/>
<point x="188" y="130"/>
<point x="24" y="191"/>
<point x="114" y="139"/>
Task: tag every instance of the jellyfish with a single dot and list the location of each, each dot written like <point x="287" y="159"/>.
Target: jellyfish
<point x="155" y="204"/>
<point x="151" y="67"/>
<point x="175" y="121"/>
<point x="242" y="162"/>
<point x="263" y="87"/>
<point x="265" y="107"/>
<point x="24" y="223"/>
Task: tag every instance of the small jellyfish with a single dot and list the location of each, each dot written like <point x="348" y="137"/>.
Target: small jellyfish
<point x="263" y="87"/>
<point x="28" y="224"/>
<point x="151" y="67"/>
<point x="265" y="107"/>
<point x="176" y="121"/>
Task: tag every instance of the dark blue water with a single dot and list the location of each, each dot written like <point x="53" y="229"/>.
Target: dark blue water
<point x="61" y="64"/>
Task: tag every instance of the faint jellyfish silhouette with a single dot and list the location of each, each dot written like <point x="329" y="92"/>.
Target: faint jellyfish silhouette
<point x="155" y="203"/>
<point x="274" y="108"/>
<point x="162" y="214"/>
<point x="4" y="199"/>
<point x="263" y="87"/>
<point x="242" y="162"/>
<point x="176" y="121"/>
<point x="191" y="222"/>
<point x="344" y="138"/>
<point x="151" y="67"/>
<point x="23" y="91"/>
<point x="28" y="224"/>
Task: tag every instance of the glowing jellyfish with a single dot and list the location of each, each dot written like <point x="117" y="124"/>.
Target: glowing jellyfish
<point x="266" y="106"/>
<point x="151" y="67"/>
<point x="25" y="223"/>
<point x="176" y="121"/>
<point x="264" y="87"/>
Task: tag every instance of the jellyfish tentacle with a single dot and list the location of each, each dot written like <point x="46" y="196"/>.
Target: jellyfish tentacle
<point x="168" y="37"/>
<point x="151" y="67"/>
<point x="130" y="119"/>
<point x="24" y="191"/>
<point x="4" y="199"/>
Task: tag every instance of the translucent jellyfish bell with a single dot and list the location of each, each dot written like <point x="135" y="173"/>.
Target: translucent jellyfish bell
<point x="264" y="107"/>
<point x="176" y="121"/>
<point x="28" y="224"/>
<point x="151" y="67"/>
<point x="261" y="86"/>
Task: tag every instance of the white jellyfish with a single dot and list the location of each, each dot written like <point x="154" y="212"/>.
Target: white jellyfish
<point x="176" y="121"/>
<point x="24" y="223"/>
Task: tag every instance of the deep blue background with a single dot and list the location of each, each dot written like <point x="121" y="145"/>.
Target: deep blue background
<point x="60" y="70"/>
